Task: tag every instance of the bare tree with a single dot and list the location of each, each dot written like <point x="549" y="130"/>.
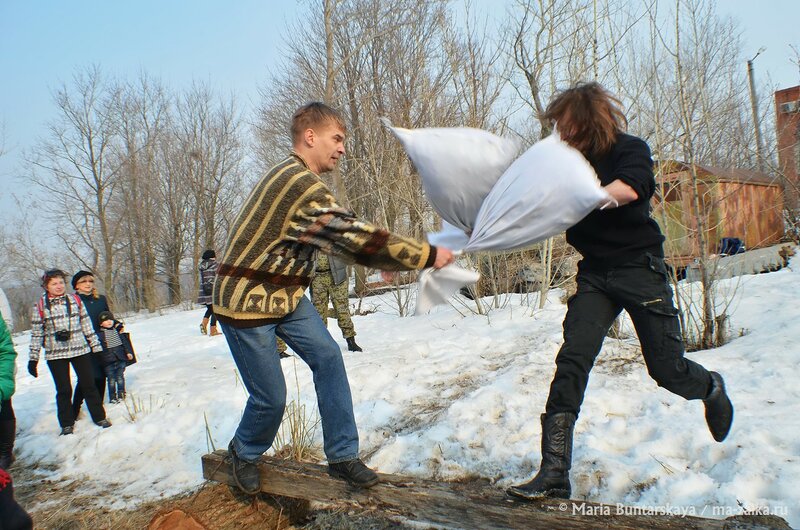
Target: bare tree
<point x="143" y="110"/>
<point x="207" y="131"/>
<point x="77" y="167"/>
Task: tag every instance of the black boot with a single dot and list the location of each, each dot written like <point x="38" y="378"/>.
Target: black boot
<point x="8" y="431"/>
<point x="719" y="409"/>
<point x="351" y="344"/>
<point x="552" y="480"/>
<point x="245" y="474"/>
<point x="355" y="472"/>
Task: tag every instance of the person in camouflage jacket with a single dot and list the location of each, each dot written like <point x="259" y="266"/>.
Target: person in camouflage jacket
<point x="330" y="284"/>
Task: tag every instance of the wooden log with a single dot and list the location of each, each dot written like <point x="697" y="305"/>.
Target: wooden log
<point x="474" y="504"/>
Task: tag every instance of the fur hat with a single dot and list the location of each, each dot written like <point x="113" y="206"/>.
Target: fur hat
<point x="105" y="315"/>
<point x="208" y="254"/>
<point x="79" y="275"/>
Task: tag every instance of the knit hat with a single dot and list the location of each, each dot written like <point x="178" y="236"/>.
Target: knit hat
<point x="79" y="275"/>
<point x="208" y="254"/>
<point x="105" y="315"/>
<point x="53" y="273"/>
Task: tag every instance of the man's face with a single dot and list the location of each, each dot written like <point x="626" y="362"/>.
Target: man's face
<point x="328" y="147"/>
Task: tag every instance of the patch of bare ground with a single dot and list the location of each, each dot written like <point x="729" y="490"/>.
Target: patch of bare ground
<point x="67" y="506"/>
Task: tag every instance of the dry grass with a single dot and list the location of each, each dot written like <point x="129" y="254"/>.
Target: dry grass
<point x="56" y="506"/>
<point x="61" y="506"/>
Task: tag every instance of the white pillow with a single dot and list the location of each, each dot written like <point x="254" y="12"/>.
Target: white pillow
<point x="545" y="191"/>
<point x="458" y="166"/>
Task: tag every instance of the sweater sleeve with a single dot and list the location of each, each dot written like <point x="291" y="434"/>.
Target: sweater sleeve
<point x="8" y="359"/>
<point x="321" y="222"/>
<point x="37" y="334"/>
<point x="634" y="167"/>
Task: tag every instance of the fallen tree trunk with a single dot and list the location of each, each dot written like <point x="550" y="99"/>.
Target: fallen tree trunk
<point x="474" y="504"/>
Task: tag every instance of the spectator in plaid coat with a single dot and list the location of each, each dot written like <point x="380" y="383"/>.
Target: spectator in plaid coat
<point x="61" y="325"/>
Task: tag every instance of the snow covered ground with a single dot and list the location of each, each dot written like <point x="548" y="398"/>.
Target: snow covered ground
<point x="455" y="395"/>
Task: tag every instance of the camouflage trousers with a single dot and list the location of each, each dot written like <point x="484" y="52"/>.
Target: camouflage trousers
<point x="322" y="290"/>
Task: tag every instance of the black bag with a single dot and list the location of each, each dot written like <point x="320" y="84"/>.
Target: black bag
<point x="127" y="345"/>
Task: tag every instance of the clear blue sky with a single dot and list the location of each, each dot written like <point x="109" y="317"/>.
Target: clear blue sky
<point x="230" y="45"/>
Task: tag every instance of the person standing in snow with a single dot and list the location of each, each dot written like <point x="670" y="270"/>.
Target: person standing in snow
<point x="61" y="325"/>
<point x="83" y="284"/>
<point x="622" y="268"/>
<point x="8" y="421"/>
<point x="207" y="271"/>
<point x="12" y="515"/>
<point x="259" y="294"/>
<point x="330" y="283"/>
<point x="115" y="357"/>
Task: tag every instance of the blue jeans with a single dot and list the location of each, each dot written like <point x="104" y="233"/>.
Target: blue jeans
<point x="256" y="355"/>
<point x="115" y="374"/>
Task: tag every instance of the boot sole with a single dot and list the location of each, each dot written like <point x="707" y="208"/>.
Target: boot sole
<point x="347" y="479"/>
<point x="552" y="493"/>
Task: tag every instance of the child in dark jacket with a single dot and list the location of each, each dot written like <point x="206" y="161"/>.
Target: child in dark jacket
<point x="114" y="356"/>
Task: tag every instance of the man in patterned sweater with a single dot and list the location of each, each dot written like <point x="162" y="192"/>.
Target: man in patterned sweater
<point x="259" y="294"/>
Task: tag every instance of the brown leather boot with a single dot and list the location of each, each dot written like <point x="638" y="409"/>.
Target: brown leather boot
<point x="204" y="326"/>
<point x="215" y="331"/>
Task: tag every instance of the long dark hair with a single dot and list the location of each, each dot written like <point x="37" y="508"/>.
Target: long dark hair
<point x="588" y="117"/>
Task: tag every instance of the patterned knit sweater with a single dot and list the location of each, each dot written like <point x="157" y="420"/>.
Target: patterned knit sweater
<point x="269" y="256"/>
<point x="47" y="318"/>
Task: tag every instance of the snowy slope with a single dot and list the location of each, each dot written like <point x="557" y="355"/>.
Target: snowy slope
<point x="456" y="395"/>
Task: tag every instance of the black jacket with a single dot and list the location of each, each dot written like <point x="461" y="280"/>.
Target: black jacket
<point x="115" y="353"/>
<point x="94" y="306"/>
<point x="611" y="237"/>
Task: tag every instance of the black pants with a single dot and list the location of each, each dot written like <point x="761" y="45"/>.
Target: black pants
<point x="99" y="376"/>
<point x="641" y="287"/>
<point x="210" y="313"/>
<point x="59" y="369"/>
<point x="6" y="410"/>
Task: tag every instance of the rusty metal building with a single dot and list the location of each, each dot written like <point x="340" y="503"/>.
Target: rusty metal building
<point x="734" y="203"/>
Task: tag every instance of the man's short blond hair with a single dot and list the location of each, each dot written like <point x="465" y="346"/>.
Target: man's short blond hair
<point x="311" y="115"/>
